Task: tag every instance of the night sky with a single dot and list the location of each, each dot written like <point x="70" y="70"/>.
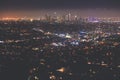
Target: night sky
<point x="22" y="6"/>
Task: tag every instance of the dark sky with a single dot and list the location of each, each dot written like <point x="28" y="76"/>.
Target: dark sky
<point x="37" y="4"/>
<point x="24" y="5"/>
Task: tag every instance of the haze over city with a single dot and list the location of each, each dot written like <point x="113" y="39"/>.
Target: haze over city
<point x="35" y="8"/>
<point x="79" y="12"/>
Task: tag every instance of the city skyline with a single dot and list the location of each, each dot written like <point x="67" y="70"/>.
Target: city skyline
<point x="79" y="12"/>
